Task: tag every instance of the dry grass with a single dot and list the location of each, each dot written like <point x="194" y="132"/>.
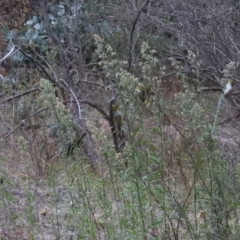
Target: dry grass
<point x="165" y="190"/>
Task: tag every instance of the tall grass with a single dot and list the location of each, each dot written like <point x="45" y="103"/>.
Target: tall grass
<point x="169" y="182"/>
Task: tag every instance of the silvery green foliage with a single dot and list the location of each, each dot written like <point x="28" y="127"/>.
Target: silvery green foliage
<point x="65" y="20"/>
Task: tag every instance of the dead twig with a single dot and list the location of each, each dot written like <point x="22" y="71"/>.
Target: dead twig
<point x="111" y="122"/>
<point x="97" y="107"/>
<point x="96" y="84"/>
<point x="37" y="63"/>
<point x="205" y="89"/>
<point x="130" y="50"/>
<point x="24" y="120"/>
<point x="76" y="143"/>
<point x="20" y="95"/>
<point x="228" y="120"/>
<point x="93" y="105"/>
<point x="10" y="53"/>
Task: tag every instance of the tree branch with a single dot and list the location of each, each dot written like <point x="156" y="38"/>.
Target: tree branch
<point x="130" y="50"/>
<point x="111" y="122"/>
<point x="46" y="75"/>
<point x="20" y="95"/>
<point x="24" y="120"/>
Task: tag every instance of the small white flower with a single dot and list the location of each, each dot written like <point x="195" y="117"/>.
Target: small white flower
<point x="228" y="88"/>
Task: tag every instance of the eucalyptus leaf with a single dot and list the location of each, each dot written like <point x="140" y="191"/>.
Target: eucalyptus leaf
<point x="51" y="17"/>
<point x="35" y="19"/>
<point x="38" y="26"/>
<point x="29" y="22"/>
<point x="11" y="35"/>
<point x="61" y="12"/>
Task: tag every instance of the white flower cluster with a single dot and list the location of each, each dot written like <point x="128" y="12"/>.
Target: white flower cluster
<point x="114" y="67"/>
<point x="60" y="113"/>
<point x="229" y="70"/>
<point x="175" y="63"/>
<point x="22" y="144"/>
<point x="148" y="60"/>
<point x="191" y="57"/>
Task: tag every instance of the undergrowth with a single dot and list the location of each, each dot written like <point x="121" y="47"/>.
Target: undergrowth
<point x="169" y="182"/>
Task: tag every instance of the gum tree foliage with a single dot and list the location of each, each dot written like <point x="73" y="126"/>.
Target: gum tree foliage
<point x="72" y="24"/>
